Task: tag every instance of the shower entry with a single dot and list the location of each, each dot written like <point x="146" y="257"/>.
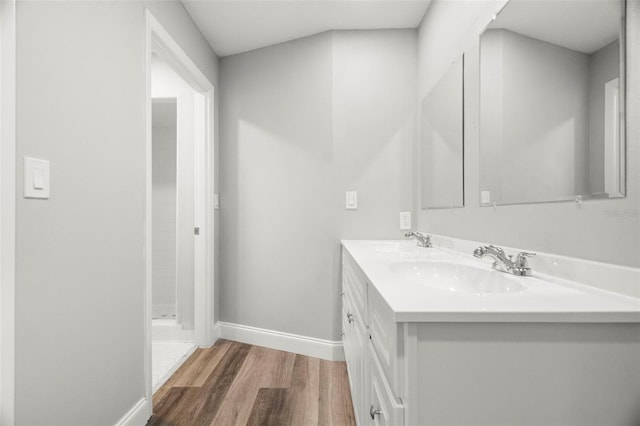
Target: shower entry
<point x="177" y="213"/>
<point x="173" y="110"/>
<point x="179" y="209"/>
<point x="172" y="294"/>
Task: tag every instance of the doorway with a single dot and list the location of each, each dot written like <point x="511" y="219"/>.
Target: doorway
<point x="178" y="218"/>
<point x="7" y="209"/>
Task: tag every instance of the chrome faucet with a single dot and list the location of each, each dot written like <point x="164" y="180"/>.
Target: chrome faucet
<point x="424" y="240"/>
<point x="505" y="263"/>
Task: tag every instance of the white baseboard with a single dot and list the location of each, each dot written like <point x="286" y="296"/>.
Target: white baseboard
<point x="303" y="345"/>
<point x="138" y="415"/>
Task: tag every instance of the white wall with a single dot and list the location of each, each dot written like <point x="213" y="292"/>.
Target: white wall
<point x="374" y="122"/>
<point x="185" y="212"/>
<point x="164" y="159"/>
<point x="166" y="83"/>
<point x="601" y="230"/>
<point x="441" y="140"/>
<point x="542" y="111"/>
<point x="7" y="208"/>
<point x="301" y="123"/>
<point x="278" y="237"/>
<point x="80" y="266"/>
<point x="603" y="68"/>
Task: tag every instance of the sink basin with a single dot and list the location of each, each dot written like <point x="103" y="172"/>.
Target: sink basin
<point x="457" y="277"/>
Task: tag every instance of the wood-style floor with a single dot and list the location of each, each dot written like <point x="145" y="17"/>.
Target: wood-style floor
<point x="234" y="383"/>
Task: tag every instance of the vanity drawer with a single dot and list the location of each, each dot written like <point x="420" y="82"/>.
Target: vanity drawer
<point x="386" y="340"/>
<point x="383" y="407"/>
<point x="355" y="343"/>
<point x="354" y="284"/>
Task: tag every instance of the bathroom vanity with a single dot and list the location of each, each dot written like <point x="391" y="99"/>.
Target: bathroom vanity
<point x="433" y="336"/>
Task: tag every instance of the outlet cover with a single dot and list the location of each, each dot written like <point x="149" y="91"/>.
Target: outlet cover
<point x="405" y="220"/>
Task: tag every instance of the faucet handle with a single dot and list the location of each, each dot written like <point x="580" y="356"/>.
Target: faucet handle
<point x="497" y="249"/>
<point x="521" y="259"/>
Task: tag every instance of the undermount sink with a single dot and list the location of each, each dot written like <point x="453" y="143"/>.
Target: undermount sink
<point x="457" y="277"/>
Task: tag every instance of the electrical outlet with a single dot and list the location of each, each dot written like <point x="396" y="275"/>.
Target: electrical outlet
<point x="405" y="220"/>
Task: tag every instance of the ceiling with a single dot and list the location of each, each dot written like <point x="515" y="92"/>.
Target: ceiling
<point x="236" y="26"/>
<point x="584" y="26"/>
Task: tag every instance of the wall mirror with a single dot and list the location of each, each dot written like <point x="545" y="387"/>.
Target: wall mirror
<point x="442" y="141"/>
<point x="552" y="102"/>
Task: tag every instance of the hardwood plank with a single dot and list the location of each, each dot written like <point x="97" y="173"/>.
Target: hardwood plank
<point x="197" y="405"/>
<point x="218" y="383"/>
<point x="234" y="383"/>
<point x="270" y="407"/>
<point x="324" y="398"/>
<point x="303" y="402"/>
<point x="195" y="369"/>
<point x="168" y="410"/>
<point x="171" y="382"/>
<point x="335" y="406"/>
<point x="263" y="368"/>
<point x="198" y="372"/>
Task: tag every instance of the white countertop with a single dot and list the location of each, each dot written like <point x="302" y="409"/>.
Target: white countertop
<point x="544" y="299"/>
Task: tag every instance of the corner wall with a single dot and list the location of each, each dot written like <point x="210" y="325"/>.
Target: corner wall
<point x="302" y="122"/>
<point x="79" y="256"/>
<point x="599" y="230"/>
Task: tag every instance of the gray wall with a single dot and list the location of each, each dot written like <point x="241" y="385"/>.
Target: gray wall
<point x="600" y="230"/>
<point x="603" y="68"/>
<point x="80" y="266"/>
<point x="301" y="123"/>
<point x="164" y="151"/>
<point x="535" y="127"/>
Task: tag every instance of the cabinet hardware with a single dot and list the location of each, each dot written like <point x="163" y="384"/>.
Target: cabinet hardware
<point x="350" y="318"/>
<point x="373" y="412"/>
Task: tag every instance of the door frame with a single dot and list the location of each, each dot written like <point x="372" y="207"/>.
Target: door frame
<point x="159" y="41"/>
<point x="7" y="209"/>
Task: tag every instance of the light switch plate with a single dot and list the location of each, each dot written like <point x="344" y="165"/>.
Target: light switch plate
<point x="351" y="202"/>
<point x="485" y="197"/>
<point x="405" y="220"/>
<point x="36" y="178"/>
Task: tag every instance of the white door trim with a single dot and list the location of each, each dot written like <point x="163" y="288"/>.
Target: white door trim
<point x="7" y="209"/>
<point x="160" y="41"/>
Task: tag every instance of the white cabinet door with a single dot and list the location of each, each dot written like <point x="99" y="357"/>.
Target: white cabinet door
<point x="355" y="344"/>
<point x="382" y="407"/>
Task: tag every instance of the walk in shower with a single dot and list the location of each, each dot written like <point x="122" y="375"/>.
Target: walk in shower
<point x="172" y="294"/>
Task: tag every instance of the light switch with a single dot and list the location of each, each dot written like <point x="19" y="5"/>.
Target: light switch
<point x="351" y="200"/>
<point x="485" y="197"/>
<point x="36" y="178"/>
<point x="405" y="220"/>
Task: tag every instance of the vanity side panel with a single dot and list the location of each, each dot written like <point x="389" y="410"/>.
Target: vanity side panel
<point x="528" y="374"/>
